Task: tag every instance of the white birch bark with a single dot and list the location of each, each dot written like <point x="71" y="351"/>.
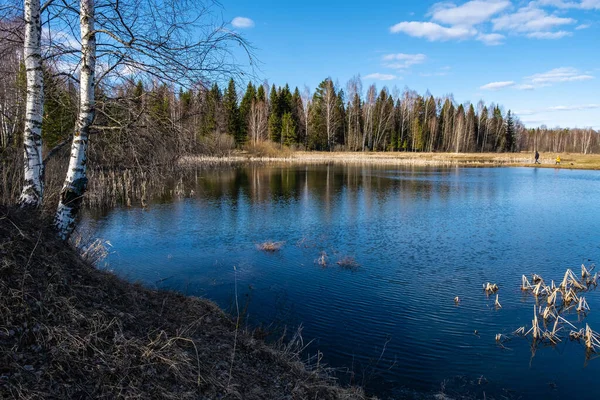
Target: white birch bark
<point x="76" y="181"/>
<point x="33" y="189"/>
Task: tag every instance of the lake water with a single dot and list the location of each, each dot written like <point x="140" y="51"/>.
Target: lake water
<point x="422" y="236"/>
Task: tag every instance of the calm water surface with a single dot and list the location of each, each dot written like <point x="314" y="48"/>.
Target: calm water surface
<point x="421" y="237"/>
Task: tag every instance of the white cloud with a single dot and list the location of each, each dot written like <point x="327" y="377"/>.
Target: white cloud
<point x="433" y="32"/>
<point x="403" y="61"/>
<point x="491" y="39"/>
<point x="583" y="5"/>
<point x="583" y="26"/>
<point x="471" y="13"/>
<point x="242" y="23"/>
<point x="525" y="112"/>
<point x="525" y="87"/>
<point x="558" y="75"/>
<point x="381" y="77"/>
<point x="533" y="21"/>
<point x="575" y="107"/>
<point x="549" y="35"/>
<point x="498" y="85"/>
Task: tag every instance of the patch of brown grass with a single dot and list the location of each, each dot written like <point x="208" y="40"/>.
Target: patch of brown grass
<point x="267" y="149"/>
<point x="270" y="246"/>
<point x="68" y="330"/>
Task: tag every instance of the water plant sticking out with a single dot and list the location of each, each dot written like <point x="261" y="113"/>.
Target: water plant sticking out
<point x="583" y="305"/>
<point x="570" y="290"/>
<point x="270" y="246"/>
<point x="497" y="303"/>
<point x="490" y="288"/>
<point x="570" y="281"/>
<point x="592" y="339"/>
<point x="525" y="285"/>
<point x="322" y="260"/>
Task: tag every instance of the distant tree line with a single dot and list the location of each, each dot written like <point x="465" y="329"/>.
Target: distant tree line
<point x="147" y="122"/>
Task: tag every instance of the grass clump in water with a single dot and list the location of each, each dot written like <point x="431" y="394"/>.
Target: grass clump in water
<point x="270" y="246"/>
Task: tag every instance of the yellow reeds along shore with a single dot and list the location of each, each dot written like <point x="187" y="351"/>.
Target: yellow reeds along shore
<point x="547" y="160"/>
<point x="71" y="331"/>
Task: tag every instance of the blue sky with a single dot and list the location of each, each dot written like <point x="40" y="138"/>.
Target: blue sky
<point x="539" y="58"/>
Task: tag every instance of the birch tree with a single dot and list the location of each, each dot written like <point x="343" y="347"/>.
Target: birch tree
<point x="33" y="186"/>
<point x="75" y="183"/>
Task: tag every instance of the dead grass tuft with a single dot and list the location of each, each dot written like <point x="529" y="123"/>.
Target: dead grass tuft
<point x="270" y="246"/>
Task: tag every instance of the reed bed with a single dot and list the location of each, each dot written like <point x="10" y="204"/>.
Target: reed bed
<point x="559" y="300"/>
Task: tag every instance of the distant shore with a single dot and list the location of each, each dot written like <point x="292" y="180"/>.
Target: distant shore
<point x="547" y="160"/>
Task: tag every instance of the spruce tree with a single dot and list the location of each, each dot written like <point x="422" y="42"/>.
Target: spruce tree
<point x="245" y="107"/>
<point x="288" y="129"/>
<point x="231" y="113"/>
<point x="509" y="142"/>
<point x="275" y="116"/>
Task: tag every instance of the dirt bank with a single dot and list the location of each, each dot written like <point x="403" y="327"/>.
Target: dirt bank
<point x="68" y="330"/>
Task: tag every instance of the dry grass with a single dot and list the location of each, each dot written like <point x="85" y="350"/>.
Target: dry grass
<point x="68" y="330"/>
<point x="270" y="246"/>
<point x="267" y="150"/>
<point x="569" y="161"/>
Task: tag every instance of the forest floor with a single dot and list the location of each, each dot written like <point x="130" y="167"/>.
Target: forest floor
<point x="547" y="160"/>
<point x="69" y="330"/>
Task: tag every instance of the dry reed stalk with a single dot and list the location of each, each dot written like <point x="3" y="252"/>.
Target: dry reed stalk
<point x="570" y="280"/>
<point x="525" y="285"/>
<point x="322" y="260"/>
<point x="501" y="338"/>
<point x="490" y="288"/>
<point x="520" y="332"/>
<point x="570" y="296"/>
<point x="537" y="279"/>
<point x="535" y="327"/>
<point x="592" y="280"/>
<point x="541" y="289"/>
<point x="592" y="339"/>
<point x="576" y="335"/>
<point x="584" y="272"/>
<point x="583" y="305"/>
<point x="547" y="313"/>
<point x="497" y="303"/>
<point x="551" y="300"/>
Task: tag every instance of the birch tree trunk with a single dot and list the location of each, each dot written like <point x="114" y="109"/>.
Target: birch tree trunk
<point x="75" y="183"/>
<point x="33" y="187"/>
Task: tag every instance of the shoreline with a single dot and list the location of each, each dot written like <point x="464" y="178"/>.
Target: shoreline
<point x="568" y="161"/>
<point x="70" y="330"/>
